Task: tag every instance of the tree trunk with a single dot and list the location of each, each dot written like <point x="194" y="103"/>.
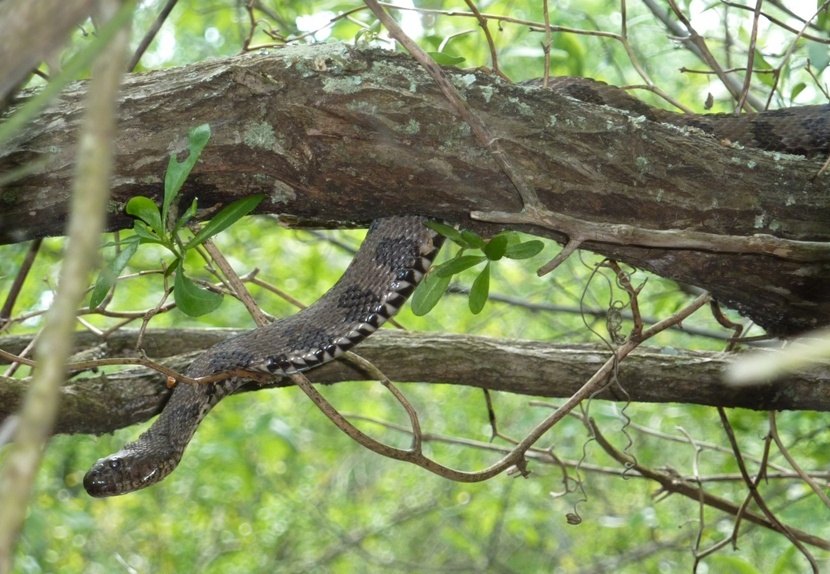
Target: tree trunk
<point x="334" y="134"/>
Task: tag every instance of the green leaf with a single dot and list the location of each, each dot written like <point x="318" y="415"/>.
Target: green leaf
<point x="496" y="247"/>
<point x="524" y="250"/>
<point x="428" y="293"/>
<point x="191" y="211"/>
<point x="147" y="211"/>
<point x="797" y="89"/>
<point x="191" y="299"/>
<point x="172" y="267"/>
<point x="445" y="230"/>
<point x="144" y="233"/>
<point x="480" y="290"/>
<point x="70" y="71"/>
<point x="109" y="274"/>
<point x="457" y="265"/>
<point x="819" y="55"/>
<point x="177" y="172"/>
<point x="225" y="218"/>
<point x="446" y="59"/>
<point x="472" y="240"/>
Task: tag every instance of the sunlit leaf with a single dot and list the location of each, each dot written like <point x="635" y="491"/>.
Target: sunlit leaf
<point x="480" y="290"/>
<point x="445" y="59"/>
<point x="177" y="172"/>
<point x="191" y="299"/>
<point x="147" y="211"/>
<point x="144" y="233"/>
<point x="225" y="218"/>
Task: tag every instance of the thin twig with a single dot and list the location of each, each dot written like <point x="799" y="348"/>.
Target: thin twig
<point x="756" y="495"/>
<point x="773" y="429"/>
<point x="151" y="34"/>
<point x="17" y="284"/>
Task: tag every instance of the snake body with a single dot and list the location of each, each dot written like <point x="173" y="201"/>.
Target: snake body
<point x="394" y="256"/>
<point x="392" y="260"/>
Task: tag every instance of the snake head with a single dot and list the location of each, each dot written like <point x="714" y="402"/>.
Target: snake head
<point x="121" y="473"/>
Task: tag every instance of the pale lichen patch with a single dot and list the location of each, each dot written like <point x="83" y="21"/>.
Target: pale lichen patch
<point x="362" y="107"/>
<point x="283" y="193"/>
<point x="487" y="92"/>
<point x="761" y="220"/>
<point x="260" y="135"/>
<point x="412" y="127"/>
<point x="116" y="207"/>
<point x="342" y="85"/>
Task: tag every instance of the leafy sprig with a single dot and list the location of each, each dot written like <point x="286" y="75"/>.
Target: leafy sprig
<point x="507" y="244"/>
<point x="156" y="227"/>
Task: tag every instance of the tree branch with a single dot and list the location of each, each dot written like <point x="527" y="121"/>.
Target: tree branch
<point x="333" y="134"/>
<point x="106" y="402"/>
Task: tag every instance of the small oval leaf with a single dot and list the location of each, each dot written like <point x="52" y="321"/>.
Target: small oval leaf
<point x="446" y="59"/>
<point x="524" y="250"/>
<point x="480" y="290"/>
<point x="147" y="211"/>
<point x="428" y="293"/>
<point x="496" y="247"/>
<point x="191" y="299"/>
<point x="458" y="264"/>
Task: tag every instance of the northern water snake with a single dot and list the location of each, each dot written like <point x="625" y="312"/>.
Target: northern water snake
<point x="391" y="261"/>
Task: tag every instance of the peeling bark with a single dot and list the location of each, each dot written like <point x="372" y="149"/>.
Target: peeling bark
<point x="333" y="135"/>
<point x="104" y="403"/>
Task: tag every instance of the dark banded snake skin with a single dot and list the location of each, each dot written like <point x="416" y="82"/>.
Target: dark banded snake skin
<point x="394" y="256"/>
<point x="392" y="260"/>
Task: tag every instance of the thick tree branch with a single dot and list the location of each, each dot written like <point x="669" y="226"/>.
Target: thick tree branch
<point x="102" y="403"/>
<point x="335" y="134"/>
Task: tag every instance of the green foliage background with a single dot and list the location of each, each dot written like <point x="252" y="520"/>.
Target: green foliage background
<point x="269" y="485"/>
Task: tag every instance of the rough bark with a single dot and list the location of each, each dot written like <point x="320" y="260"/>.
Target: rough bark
<point x="104" y="403"/>
<point x="339" y="135"/>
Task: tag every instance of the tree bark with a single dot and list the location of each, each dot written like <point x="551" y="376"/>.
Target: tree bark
<point x="335" y="134"/>
<point x="104" y="403"/>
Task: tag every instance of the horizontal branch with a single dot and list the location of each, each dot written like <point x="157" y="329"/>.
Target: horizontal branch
<point x="332" y="135"/>
<point x="103" y="403"/>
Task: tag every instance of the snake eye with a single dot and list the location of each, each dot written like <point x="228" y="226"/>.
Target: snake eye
<point x="115" y="463"/>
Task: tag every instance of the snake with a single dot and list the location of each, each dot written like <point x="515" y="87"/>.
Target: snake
<point x="393" y="258"/>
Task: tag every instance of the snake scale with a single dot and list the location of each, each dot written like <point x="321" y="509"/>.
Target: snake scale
<point x="392" y="260"/>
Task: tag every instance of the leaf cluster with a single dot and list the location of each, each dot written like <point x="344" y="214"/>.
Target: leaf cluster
<point x="158" y="227"/>
<point x="507" y="244"/>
